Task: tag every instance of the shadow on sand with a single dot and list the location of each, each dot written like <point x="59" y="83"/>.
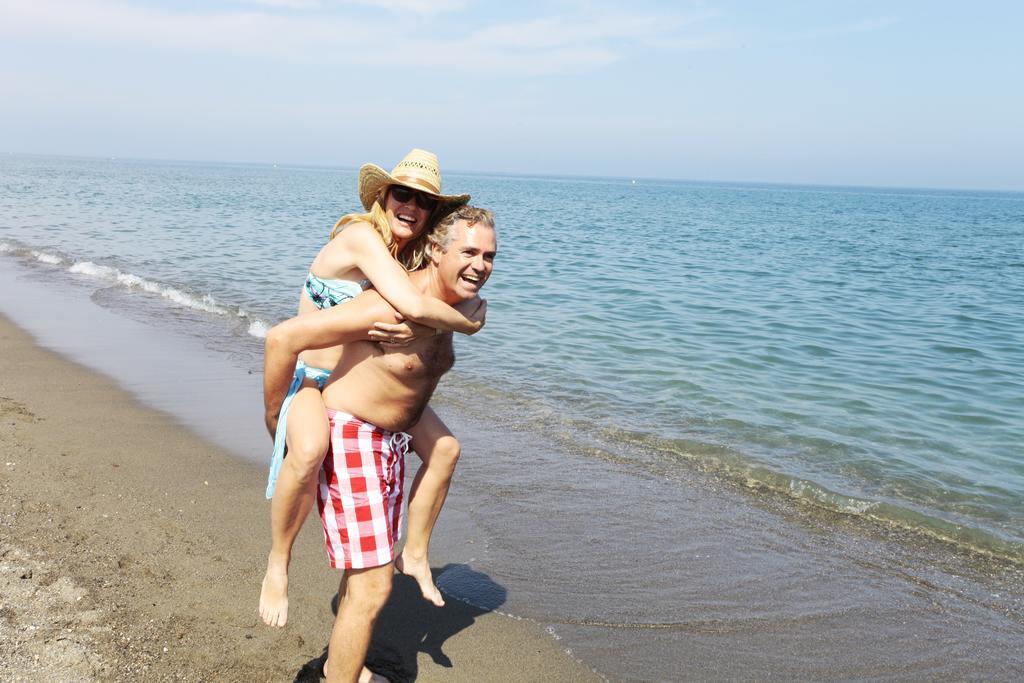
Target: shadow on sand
<point x="408" y="624"/>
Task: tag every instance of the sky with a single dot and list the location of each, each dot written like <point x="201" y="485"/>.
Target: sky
<point x="909" y="94"/>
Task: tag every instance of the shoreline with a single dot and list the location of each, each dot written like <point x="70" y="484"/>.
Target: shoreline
<point x="723" y="582"/>
<point x="168" y="538"/>
<point x="238" y="396"/>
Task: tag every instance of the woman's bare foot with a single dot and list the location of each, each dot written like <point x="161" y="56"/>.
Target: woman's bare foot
<point x="419" y="569"/>
<point x="274" y="593"/>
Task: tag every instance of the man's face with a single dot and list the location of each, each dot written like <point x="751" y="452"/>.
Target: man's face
<point x="467" y="264"/>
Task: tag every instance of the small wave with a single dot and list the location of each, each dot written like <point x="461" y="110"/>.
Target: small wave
<point x="202" y="303"/>
<point x="93" y="270"/>
<point x="959" y="350"/>
<point x="5" y="247"/>
<point x="256" y="327"/>
<point x="736" y="467"/>
<point x="46" y="257"/>
<point x="205" y="303"/>
<point x="892" y="515"/>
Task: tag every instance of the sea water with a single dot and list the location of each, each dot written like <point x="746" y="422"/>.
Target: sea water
<point x="853" y="346"/>
<point x="859" y="350"/>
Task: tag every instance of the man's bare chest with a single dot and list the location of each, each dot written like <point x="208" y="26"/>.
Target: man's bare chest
<point x="428" y="359"/>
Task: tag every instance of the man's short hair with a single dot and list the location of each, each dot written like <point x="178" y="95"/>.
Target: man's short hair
<point x="442" y="235"/>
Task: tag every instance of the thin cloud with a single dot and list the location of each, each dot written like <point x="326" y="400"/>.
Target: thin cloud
<point x="248" y="32"/>
<point x="549" y="45"/>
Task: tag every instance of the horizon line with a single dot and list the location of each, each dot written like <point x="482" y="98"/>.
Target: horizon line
<point x="517" y="174"/>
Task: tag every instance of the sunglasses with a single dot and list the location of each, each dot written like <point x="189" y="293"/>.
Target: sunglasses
<point x="403" y="195"/>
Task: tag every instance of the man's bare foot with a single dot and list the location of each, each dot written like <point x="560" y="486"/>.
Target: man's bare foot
<point x="365" y="676"/>
<point x="274" y="594"/>
<point x="420" y="570"/>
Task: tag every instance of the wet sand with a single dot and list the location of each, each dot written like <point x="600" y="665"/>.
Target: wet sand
<point x="133" y="550"/>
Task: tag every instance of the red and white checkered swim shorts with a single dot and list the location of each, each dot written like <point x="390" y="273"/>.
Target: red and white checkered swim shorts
<point x="361" y="491"/>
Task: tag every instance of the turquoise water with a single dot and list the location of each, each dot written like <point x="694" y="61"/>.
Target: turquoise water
<point x="862" y="349"/>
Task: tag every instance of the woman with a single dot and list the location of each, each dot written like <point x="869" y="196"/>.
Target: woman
<point x="364" y="250"/>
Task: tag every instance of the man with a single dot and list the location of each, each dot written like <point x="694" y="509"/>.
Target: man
<point x="374" y="394"/>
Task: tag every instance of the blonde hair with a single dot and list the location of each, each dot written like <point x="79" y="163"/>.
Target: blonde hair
<point x="414" y="255"/>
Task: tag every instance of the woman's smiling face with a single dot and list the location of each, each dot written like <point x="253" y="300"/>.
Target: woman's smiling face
<point x="407" y="218"/>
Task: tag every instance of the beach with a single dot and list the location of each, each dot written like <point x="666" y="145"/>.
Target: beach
<point x="133" y="550"/>
<point x="788" y="448"/>
<point x="747" y="405"/>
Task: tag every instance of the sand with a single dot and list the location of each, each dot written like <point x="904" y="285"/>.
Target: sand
<point x="132" y="549"/>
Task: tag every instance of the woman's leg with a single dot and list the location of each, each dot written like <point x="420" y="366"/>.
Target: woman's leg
<point x="307" y="437"/>
<point x="439" y="451"/>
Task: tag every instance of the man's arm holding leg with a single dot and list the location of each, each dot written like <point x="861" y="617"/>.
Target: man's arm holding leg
<point x="350" y="321"/>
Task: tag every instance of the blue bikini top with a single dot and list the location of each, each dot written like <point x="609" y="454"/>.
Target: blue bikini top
<point x="325" y="293"/>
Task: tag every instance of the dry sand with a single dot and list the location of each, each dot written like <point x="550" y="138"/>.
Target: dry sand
<point x="131" y="549"/>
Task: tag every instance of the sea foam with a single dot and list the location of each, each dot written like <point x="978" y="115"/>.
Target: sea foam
<point x="93" y="270"/>
<point x="258" y="328"/>
<point x="46" y="257"/>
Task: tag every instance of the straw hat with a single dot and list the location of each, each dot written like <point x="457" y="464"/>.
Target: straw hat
<point x="418" y="170"/>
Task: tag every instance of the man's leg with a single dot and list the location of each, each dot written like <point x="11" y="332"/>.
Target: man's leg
<point x="439" y="451"/>
<point x="361" y="597"/>
<point x="293" y="496"/>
